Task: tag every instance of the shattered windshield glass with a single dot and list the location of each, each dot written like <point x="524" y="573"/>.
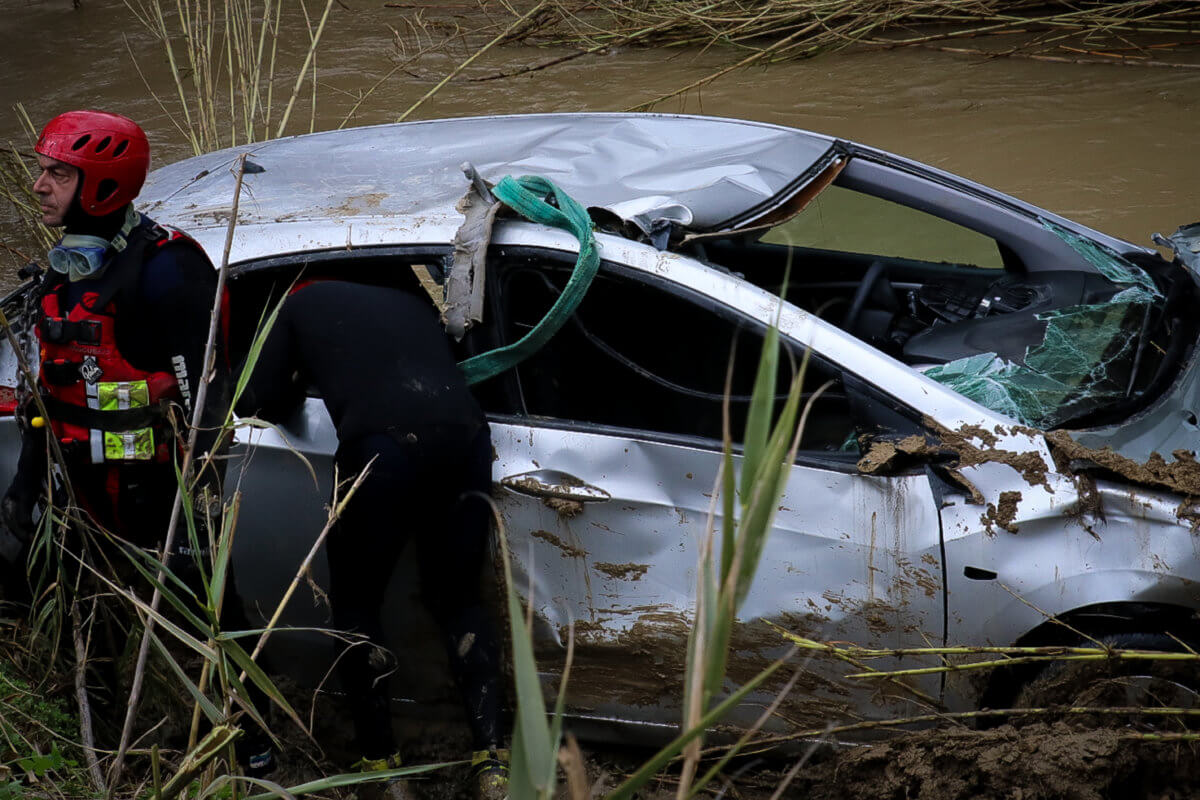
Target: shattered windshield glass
<point x="1087" y="358"/>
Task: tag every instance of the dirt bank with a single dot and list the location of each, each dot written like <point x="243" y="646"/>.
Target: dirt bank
<point x="1036" y="761"/>
<point x="1042" y="761"/>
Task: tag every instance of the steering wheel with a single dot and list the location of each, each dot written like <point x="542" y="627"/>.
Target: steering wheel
<point x="874" y="274"/>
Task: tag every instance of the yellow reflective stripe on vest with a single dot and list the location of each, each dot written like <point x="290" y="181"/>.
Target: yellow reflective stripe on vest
<point x="135" y="445"/>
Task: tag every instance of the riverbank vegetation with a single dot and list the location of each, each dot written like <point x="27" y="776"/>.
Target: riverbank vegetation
<point x="760" y="32"/>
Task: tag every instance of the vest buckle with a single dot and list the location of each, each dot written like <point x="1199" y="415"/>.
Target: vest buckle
<point x="54" y="329"/>
<point x="89" y="332"/>
<point x="60" y="372"/>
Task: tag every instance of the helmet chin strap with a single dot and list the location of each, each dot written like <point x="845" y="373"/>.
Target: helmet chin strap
<point x="80" y="256"/>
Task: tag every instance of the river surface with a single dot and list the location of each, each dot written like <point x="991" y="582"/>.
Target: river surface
<point x="1114" y="147"/>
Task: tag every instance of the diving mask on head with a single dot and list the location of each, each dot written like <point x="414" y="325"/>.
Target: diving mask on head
<point x="78" y="256"/>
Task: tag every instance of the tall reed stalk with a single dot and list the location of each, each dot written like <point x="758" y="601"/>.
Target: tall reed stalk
<point x="224" y="61"/>
<point x="16" y="186"/>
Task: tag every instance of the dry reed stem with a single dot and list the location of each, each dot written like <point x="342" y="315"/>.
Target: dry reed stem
<point x="231" y="52"/>
<point x="335" y="512"/>
<point x="185" y="470"/>
<point x="1046" y="651"/>
<point x="308" y="58"/>
<point x="507" y="31"/>
<point x="771" y="742"/>
<point x="1102" y="655"/>
<point x="87" y="737"/>
<point x="570" y="758"/>
<point x="1123" y="62"/>
<point x="745" y="738"/>
<point x="779" y="30"/>
<point x="1083" y="636"/>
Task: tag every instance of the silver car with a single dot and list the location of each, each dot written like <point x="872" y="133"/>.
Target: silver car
<point x="1003" y="402"/>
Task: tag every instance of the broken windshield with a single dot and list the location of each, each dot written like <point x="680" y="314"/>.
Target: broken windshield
<point x="1088" y="357"/>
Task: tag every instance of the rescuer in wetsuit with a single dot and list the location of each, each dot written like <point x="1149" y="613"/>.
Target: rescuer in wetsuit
<point x="122" y="326"/>
<point x="122" y="322"/>
<point x="380" y="361"/>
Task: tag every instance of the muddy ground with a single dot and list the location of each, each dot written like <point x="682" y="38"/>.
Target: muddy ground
<point x="1035" y="761"/>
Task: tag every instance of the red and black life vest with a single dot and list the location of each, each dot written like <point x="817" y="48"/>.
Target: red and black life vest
<point x="102" y="408"/>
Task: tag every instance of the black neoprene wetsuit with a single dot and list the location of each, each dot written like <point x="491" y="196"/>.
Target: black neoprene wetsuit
<point x="381" y="362"/>
<point x="377" y="357"/>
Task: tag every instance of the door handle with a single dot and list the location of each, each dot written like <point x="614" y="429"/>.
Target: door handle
<point x="555" y="484"/>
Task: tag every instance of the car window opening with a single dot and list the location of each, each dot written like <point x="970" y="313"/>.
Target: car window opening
<point x="1080" y="345"/>
<point x="640" y="358"/>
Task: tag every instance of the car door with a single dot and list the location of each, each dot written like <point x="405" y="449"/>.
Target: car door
<point x="605" y="485"/>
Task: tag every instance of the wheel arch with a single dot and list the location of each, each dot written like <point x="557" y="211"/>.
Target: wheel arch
<point x="1096" y="620"/>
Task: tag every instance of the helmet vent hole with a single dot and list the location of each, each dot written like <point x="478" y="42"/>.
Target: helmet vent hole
<point x="120" y="148"/>
<point x="103" y="144"/>
<point x="81" y="141"/>
<point x="105" y="190"/>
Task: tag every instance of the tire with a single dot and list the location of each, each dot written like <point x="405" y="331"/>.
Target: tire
<point x="1118" y="683"/>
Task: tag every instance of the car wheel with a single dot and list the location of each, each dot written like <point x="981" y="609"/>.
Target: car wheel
<point x="1118" y="683"/>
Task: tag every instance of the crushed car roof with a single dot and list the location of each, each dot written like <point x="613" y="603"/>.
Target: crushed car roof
<point x="717" y="168"/>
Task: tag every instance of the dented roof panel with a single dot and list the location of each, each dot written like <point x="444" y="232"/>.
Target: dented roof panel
<point x="720" y="169"/>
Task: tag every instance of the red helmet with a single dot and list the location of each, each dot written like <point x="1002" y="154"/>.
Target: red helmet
<point x="110" y="151"/>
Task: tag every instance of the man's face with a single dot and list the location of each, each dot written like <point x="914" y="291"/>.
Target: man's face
<point x="55" y="189"/>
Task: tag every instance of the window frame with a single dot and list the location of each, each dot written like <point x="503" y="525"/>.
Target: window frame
<point x="516" y="413"/>
<point x="823" y="459"/>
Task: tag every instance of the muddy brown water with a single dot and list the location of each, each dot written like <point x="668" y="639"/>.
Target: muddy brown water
<point x="1111" y="146"/>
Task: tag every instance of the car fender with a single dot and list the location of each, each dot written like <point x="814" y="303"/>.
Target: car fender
<point x="1014" y="619"/>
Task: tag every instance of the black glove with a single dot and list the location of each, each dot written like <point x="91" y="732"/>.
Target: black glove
<point x="16" y="511"/>
<point x="16" y="508"/>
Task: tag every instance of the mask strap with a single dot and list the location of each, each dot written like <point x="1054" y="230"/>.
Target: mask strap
<point x="121" y="240"/>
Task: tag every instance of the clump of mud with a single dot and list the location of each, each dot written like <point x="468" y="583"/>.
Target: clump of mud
<point x="1039" y="761"/>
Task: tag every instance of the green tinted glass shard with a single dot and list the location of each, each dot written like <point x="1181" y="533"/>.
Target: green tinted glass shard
<point x="1084" y="360"/>
<point x="1109" y="263"/>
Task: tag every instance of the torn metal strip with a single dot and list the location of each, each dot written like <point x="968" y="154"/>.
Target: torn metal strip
<point x="464" y="285"/>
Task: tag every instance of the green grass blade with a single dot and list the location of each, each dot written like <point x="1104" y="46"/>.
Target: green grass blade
<point x="186" y="610"/>
<point x="355" y="778"/>
<point x="534" y="757"/>
<point x="728" y="506"/>
<point x="531" y="710"/>
<point x="520" y="774"/>
<point x="718" y="648"/>
<point x="187" y="513"/>
<point x="242" y="697"/>
<point x="759" y="516"/>
<point x="256" y="346"/>
<point x="762" y="406"/>
<point x="556" y="722"/>
<point x="256" y="675"/>
<point x="210" y="710"/>
<point x="223" y="552"/>
<point x="145" y="561"/>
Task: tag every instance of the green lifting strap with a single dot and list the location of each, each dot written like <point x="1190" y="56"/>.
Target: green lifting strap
<point x="529" y="196"/>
